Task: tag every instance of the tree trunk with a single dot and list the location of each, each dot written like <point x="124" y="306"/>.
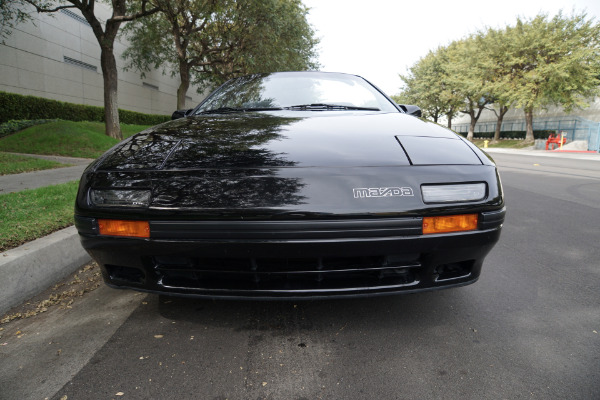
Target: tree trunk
<point x="449" y="116"/>
<point x="471" y="130"/>
<point x="498" y="128"/>
<point x="184" y="85"/>
<point x="471" y="127"/>
<point x="474" y="118"/>
<point x="500" y="117"/>
<point x="111" y="108"/>
<point x="106" y="39"/>
<point x="529" y="125"/>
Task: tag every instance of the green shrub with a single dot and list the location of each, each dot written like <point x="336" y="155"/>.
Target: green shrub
<point x="18" y="107"/>
<point x="136" y="118"/>
<point x="537" y="134"/>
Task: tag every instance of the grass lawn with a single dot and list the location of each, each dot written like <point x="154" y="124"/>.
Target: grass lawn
<point x="14" y="164"/>
<point x="65" y="138"/>
<point x="507" y="144"/>
<point x="30" y="214"/>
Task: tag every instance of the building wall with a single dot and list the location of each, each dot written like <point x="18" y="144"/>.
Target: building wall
<point x="58" y="57"/>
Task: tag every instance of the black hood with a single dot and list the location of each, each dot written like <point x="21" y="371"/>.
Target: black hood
<point x="322" y="164"/>
<point x="259" y="140"/>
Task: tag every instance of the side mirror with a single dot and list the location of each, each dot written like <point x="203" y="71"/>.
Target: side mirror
<point x="411" y="109"/>
<point x="181" y="113"/>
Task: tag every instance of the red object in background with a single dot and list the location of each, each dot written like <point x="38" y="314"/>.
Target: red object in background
<point x="554" y="140"/>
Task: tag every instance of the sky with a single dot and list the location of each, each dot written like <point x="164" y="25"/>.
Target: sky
<point x="379" y="39"/>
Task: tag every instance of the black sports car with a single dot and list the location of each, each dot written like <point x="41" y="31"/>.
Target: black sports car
<point x="291" y="185"/>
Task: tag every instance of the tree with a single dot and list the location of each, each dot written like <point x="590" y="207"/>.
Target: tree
<point x="427" y="86"/>
<point x="469" y="79"/>
<point x="493" y="47"/>
<point x="551" y="61"/>
<point x="421" y="88"/>
<point x="209" y="41"/>
<point x="105" y="34"/>
<point x="164" y="39"/>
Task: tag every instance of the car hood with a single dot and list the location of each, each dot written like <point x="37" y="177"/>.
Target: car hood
<point x="258" y="140"/>
<point x="260" y="166"/>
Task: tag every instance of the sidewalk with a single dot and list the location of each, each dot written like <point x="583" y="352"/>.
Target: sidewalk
<point x="546" y="153"/>
<point x="34" y="266"/>
<point x="36" y="179"/>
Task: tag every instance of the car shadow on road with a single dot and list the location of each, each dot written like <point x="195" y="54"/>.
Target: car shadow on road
<point x="415" y="309"/>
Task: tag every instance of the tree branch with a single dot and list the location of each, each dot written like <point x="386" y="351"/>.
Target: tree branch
<point x="142" y="13"/>
<point x="49" y="10"/>
<point x="200" y="28"/>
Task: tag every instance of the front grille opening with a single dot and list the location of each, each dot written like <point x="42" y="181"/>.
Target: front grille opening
<point x="172" y="262"/>
<point x="125" y="274"/>
<point x="456" y="270"/>
<point x="220" y="264"/>
<point x="286" y="264"/>
<point x="288" y="274"/>
<point x="336" y="263"/>
<point x="300" y="282"/>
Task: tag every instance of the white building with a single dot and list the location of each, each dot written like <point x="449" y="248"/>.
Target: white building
<point x="58" y="57"/>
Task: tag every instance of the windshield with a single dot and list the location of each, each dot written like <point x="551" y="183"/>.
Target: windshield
<point x="298" y="91"/>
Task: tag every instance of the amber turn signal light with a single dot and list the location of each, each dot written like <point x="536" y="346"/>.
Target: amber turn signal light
<point x="115" y="227"/>
<point x="450" y="223"/>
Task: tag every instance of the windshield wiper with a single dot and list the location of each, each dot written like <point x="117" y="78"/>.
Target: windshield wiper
<point x="227" y="110"/>
<point x="222" y="110"/>
<point x="263" y="109"/>
<point x="322" y="106"/>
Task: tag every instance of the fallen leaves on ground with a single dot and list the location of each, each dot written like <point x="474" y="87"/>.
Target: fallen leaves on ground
<point x="84" y="281"/>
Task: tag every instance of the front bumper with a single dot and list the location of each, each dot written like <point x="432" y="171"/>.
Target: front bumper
<point x="291" y="259"/>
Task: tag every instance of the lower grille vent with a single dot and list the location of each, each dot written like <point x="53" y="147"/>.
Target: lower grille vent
<point x="289" y="274"/>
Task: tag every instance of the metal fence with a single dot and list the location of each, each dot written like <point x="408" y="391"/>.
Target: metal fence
<point x="574" y="128"/>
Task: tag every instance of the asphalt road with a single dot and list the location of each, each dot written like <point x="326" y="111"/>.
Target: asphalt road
<point x="529" y="329"/>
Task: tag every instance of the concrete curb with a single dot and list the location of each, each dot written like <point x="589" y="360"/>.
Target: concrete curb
<point x="34" y="266"/>
<point x="544" y="153"/>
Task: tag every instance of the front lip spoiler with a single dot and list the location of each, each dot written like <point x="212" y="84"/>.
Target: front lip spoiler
<point x="282" y="296"/>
